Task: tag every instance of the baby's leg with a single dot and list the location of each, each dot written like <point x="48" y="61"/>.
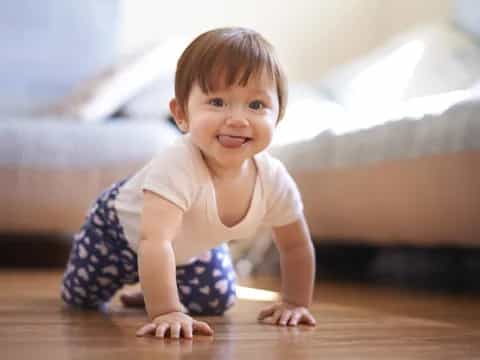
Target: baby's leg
<point x="207" y="286"/>
<point x="95" y="271"/>
<point x="100" y="261"/>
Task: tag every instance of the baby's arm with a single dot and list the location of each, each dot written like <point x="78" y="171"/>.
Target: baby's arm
<point x="156" y="263"/>
<point x="297" y="261"/>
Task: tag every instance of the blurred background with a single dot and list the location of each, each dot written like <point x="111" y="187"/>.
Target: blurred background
<point x="382" y="130"/>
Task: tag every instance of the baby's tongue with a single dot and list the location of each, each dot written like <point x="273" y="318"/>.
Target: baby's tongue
<point x="230" y="141"/>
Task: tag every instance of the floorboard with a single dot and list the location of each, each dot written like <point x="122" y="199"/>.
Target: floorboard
<point x="354" y="322"/>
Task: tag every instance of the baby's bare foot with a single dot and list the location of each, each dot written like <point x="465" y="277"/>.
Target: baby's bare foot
<point x="133" y="300"/>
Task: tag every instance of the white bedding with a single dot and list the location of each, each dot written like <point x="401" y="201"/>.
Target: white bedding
<point x="49" y="143"/>
<point x="441" y="126"/>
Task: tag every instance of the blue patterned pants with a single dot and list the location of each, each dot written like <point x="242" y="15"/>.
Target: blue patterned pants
<point x="101" y="262"/>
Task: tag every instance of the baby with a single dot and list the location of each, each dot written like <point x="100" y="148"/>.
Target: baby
<point x="167" y="225"/>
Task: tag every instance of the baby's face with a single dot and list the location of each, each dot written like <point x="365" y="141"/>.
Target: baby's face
<point x="231" y="125"/>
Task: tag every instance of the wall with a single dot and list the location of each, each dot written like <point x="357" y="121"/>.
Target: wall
<point x="311" y="36"/>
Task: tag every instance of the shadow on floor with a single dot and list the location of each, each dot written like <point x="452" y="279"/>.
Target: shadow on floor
<point x="34" y="251"/>
<point x="442" y="269"/>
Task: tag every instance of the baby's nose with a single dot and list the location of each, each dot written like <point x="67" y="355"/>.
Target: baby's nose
<point x="237" y="118"/>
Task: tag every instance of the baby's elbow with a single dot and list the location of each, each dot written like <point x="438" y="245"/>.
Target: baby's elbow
<point x="303" y="251"/>
<point x="143" y="242"/>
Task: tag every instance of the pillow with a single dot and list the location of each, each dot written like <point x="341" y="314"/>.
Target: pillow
<point x="152" y="102"/>
<point x="429" y="60"/>
<point x="113" y="88"/>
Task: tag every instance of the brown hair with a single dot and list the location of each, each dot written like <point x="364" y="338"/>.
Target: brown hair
<point x="234" y="53"/>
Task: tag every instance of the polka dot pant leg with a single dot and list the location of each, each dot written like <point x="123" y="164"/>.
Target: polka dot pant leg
<point x="207" y="285"/>
<point x="101" y="261"/>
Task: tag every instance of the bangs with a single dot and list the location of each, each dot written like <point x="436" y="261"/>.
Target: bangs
<point x="234" y="61"/>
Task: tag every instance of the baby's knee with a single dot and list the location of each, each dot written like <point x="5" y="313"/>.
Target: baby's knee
<point x="214" y="299"/>
<point x="228" y="304"/>
<point x="214" y="306"/>
<point x="74" y="300"/>
<point x="77" y="293"/>
<point x="225" y="302"/>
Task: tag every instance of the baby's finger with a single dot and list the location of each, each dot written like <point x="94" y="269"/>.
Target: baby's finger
<point x="161" y="330"/>
<point x="286" y="315"/>
<point x="202" y="328"/>
<point x="146" y="329"/>
<point x="187" y="330"/>
<point x="175" y="330"/>
<point x="308" y="319"/>
<point x="276" y="316"/>
<point x="266" y="313"/>
<point x="294" y="319"/>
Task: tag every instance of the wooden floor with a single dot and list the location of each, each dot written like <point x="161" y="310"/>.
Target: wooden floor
<point x="354" y="322"/>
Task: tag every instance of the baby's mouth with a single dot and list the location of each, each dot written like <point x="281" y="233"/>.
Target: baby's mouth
<point x="232" y="141"/>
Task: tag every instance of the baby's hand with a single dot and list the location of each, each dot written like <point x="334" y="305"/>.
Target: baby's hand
<point x="178" y="323"/>
<point x="283" y="313"/>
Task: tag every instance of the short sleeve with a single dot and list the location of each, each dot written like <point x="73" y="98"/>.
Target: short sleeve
<point x="172" y="176"/>
<point x="284" y="202"/>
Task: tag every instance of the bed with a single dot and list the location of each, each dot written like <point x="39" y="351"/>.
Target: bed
<point x="398" y="167"/>
<point x="387" y="160"/>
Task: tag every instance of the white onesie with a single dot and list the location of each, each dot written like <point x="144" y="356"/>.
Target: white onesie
<point x="180" y="175"/>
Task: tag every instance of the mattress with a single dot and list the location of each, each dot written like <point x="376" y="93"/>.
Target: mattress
<point x="52" y="170"/>
<point x="406" y="181"/>
<point x="456" y="128"/>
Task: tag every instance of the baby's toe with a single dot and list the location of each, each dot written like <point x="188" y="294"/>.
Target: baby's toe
<point x="133" y="300"/>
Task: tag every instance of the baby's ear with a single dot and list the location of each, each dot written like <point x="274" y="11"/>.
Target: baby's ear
<point x="178" y="115"/>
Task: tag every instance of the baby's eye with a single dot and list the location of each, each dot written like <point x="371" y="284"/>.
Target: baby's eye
<point x="216" y="102"/>
<point x="256" y="105"/>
